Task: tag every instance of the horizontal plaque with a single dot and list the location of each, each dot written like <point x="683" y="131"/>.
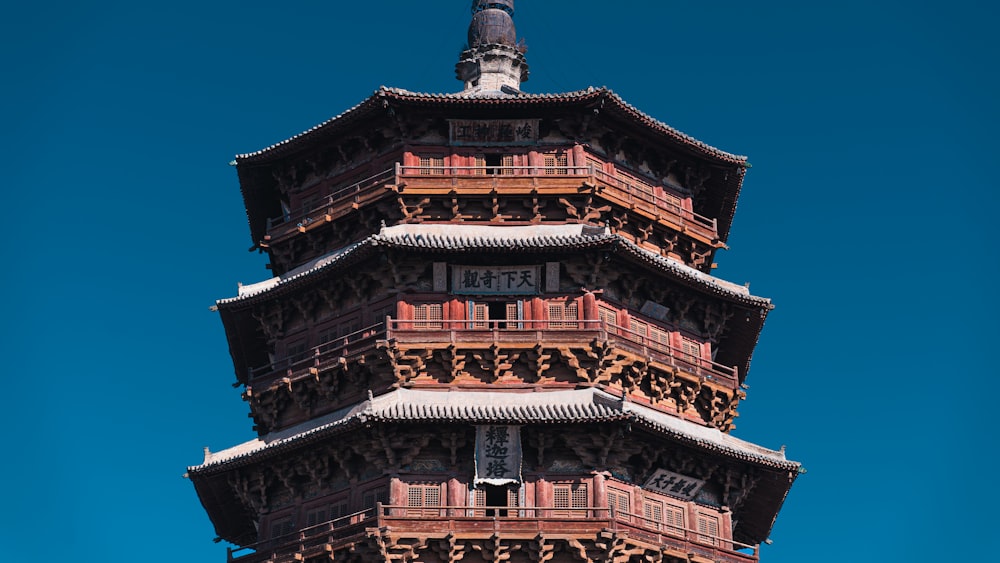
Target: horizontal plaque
<point x="670" y="483"/>
<point x="495" y="280"/>
<point x="493" y="131"/>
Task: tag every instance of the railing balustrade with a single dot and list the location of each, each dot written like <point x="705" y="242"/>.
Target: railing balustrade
<point x="496" y="331"/>
<point x="550" y="520"/>
<point x="634" y="190"/>
<point x="502" y="330"/>
<point x="338" y="347"/>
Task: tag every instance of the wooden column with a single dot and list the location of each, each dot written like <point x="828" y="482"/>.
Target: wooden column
<point x="457" y="495"/>
<point x="600" y="498"/>
<point x="397" y="493"/>
<point x="589" y="307"/>
<point x="543" y="494"/>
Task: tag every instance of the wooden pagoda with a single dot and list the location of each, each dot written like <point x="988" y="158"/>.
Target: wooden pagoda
<point x="492" y="334"/>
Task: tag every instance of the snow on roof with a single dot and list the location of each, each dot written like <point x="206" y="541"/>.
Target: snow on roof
<point x="478" y="237"/>
<point x="500" y="407"/>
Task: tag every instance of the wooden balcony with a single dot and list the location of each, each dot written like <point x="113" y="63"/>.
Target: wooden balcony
<point x="471" y="523"/>
<point x="411" y="334"/>
<point x="648" y="200"/>
<point x="528" y="333"/>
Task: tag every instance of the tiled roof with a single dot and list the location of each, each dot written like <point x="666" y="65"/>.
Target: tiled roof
<point x="385" y="95"/>
<point x="501" y="407"/>
<point x="591" y="93"/>
<point x="482" y="237"/>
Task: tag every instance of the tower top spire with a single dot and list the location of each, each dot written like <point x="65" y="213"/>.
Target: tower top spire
<point x="493" y="60"/>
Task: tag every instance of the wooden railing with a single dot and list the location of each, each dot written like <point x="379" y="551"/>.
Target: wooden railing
<point x="306" y="215"/>
<point x="345" y="346"/>
<point x="494" y="331"/>
<point x="488" y="332"/>
<point x="486" y="520"/>
<point x="629" y="192"/>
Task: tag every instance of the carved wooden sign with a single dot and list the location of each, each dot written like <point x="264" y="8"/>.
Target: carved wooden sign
<point x="495" y="280"/>
<point x="493" y="131"/>
<point x="675" y="484"/>
<point x="498" y="454"/>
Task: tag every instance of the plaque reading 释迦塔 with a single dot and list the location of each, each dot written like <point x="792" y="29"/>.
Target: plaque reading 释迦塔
<point x="498" y="454"/>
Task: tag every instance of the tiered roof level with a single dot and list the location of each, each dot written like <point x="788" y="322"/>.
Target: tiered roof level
<point x="447" y="266"/>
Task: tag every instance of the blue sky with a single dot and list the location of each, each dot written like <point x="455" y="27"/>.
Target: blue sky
<point x="868" y="217"/>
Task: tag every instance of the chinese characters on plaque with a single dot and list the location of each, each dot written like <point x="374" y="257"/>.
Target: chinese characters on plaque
<point x="487" y="280"/>
<point x="498" y="455"/>
<point x="493" y="131"/>
<point x="675" y="484"/>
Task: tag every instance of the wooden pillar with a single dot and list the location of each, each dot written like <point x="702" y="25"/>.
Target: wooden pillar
<point x="578" y="158"/>
<point x="543" y="494"/>
<point x="600" y="498"/>
<point x="456" y="311"/>
<point x="397" y="493"/>
<point x="539" y="312"/>
<point x="457" y="495"/>
<point x="589" y="308"/>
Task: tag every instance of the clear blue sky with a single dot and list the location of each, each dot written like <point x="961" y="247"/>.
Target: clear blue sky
<point x="868" y="216"/>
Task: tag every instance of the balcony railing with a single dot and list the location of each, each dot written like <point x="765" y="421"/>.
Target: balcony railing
<point x="629" y="192"/>
<point x="345" y="346"/>
<point x="488" y="332"/>
<point x="483" y="521"/>
<point x="495" y="331"/>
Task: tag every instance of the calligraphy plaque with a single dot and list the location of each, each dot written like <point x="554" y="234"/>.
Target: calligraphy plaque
<point x="675" y="484"/>
<point x="503" y="132"/>
<point x="498" y="455"/>
<point x="495" y="280"/>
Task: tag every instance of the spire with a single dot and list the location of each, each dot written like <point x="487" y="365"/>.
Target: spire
<point x="494" y="60"/>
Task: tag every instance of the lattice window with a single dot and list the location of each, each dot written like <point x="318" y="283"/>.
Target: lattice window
<point x="431" y="165"/>
<point x="652" y="511"/>
<point x="296" y="350"/>
<point x="421" y="498"/>
<point x="673" y="520"/>
<point x="659" y="338"/>
<point x="379" y="315"/>
<point x="372" y="497"/>
<point x="570" y="496"/>
<point x="428" y="315"/>
<point x="315" y="516"/>
<point x="563" y="314"/>
<point x="507" y="164"/>
<point x="691" y="349"/>
<point x="282" y="527"/>
<point x="327" y="335"/>
<point x="556" y="163"/>
<point x="638" y="329"/>
<point x="479" y="314"/>
<point x="479" y="161"/>
<point x="619" y="504"/>
<point x="609" y="317"/>
<point x="708" y="529"/>
<point x="338" y="510"/>
<point x="666" y="517"/>
<point x="513" y="312"/>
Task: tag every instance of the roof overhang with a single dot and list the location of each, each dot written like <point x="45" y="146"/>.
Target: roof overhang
<point x="260" y="194"/>
<point x="578" y="406"/>
<point x="478" y="239"/>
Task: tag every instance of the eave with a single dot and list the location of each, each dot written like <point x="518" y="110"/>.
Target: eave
<point x="386" y="102"/>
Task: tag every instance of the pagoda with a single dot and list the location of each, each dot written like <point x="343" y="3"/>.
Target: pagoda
<point x="492" y="334"/>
